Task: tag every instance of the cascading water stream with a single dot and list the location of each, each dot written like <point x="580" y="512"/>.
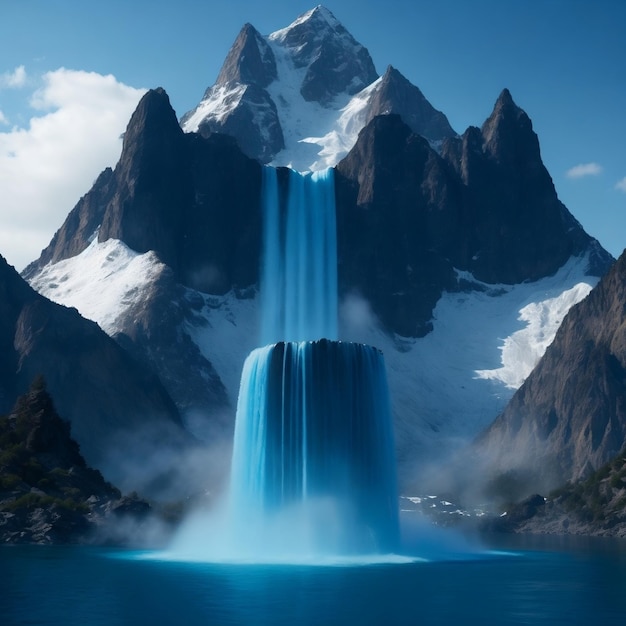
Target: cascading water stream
<point x="299" y="266"/>
<point x="313" y="436"/>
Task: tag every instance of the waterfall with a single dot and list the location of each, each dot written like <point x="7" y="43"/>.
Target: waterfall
<point x="313" y="465"/>
<point x="313" y="424"/>
<point x="299" y="265"/>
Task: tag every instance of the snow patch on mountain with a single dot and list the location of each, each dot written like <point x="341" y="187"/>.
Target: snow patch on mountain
<point x="101" y="282"/>
<point x="220" y="101"/>
<point x="521" y="351"/>
<point x="231" y="332"/>
<point x="316" y="136"/>
<point x="440" y="390"/>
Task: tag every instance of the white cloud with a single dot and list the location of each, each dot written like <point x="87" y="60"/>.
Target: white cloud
<point x="46" y="167"/>
<point x="584" y="169"/>
<point x="3" y="118"/>
<point x="14" y="79"/>
<point x="621" y="185"/>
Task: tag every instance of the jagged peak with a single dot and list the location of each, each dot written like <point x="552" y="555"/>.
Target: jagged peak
<point x="154" y="113"/>
<point x="505" y="105"/>
<point x="154" y="102"/>
<point x="505" y="102"/>
<point x="506" y="119"/>
<point x="250" y="60"/>
<point x="505" y="97"/>
<point x="391" y="73"/>
<point x="312" y="28"/>
<point x="319" y="14"/>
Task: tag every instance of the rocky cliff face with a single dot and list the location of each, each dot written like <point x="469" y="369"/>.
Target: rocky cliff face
<point x="515" y="226"/>
<point x="395" y="95"/>
<point x="409" y="217"/>
<point x="569" y="417"/>
<point x="385" y="224"/>
<point x="115" y="405"/>
<point x="193" y="201"/>
<point x="48" y="494"/>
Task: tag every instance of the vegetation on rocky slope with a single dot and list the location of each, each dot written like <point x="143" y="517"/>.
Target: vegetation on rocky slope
<point x="47" y="492"/>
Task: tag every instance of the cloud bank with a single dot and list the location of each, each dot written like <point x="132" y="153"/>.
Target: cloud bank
<point x="73" y="134"/>
<point x="584" y="169"/>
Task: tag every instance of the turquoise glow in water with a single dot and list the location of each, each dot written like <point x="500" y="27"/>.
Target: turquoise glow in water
<point x="574" y="584"/>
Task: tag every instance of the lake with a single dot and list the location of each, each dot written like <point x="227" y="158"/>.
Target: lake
<point x="511" y="580"/>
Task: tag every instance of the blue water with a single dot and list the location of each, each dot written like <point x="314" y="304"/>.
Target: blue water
<point x="574" y="583"/>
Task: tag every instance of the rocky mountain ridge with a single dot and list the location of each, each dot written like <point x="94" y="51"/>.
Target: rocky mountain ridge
<point x="300" y="96"/>
<point x="569" y="416"/>
<point x="82" y="364"/>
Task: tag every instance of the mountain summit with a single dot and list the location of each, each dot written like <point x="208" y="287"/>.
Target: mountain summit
<point x="301" y="95"/>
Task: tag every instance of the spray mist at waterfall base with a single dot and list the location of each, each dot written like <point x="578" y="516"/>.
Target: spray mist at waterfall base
<point x="312" y="534"/>
<point x="313" y="470"/>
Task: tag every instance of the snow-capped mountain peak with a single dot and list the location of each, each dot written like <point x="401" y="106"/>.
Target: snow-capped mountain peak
<point x="300" y="96"/>
<point x="318" y="15"/>
<point x="335" y="62"/>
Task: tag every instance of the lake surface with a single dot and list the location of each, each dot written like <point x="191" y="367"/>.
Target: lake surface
<point x="522" y="581"/>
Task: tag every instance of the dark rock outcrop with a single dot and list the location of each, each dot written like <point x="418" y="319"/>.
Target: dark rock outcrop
<point x="569" y="417"/>
<point x="250" y="60"/>
<point x="516" y="227"/>
<point x="386" y="215"/>
<point x="48" y="494"/>
<point x="396" y="95"/>
<point x="152" y="183"/>
<point x="192" y="200"/>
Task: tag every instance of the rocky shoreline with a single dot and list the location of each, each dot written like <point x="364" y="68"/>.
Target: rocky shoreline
<point x="48" y="494"/>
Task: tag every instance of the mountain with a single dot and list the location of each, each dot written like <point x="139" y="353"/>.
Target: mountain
<point x="48" y="494"/>
<point x="190" y="206"/>
<point x="117" y="409"/>
<point x="300" y="96"/>
<point x="569" y="416"/>
<point x="453" y="251"/>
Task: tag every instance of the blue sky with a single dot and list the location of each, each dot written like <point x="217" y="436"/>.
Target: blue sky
<point x="71" y="72"/>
